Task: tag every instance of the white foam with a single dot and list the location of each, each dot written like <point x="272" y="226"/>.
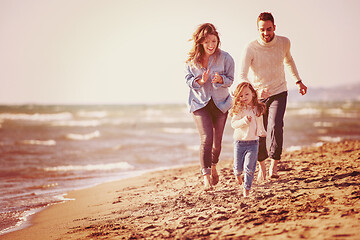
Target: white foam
<point x="91" y="167"/>
<point x="330" y="139"/>
<point x="39" y="142"/>
<point x="22" y="223"/>
<point x="323" y="124"/>
<point x="307" y="111"/>
<point x="179" y="130"/>
<point x="36" y="116"/>
<point x="335" y="111"/>
<point x="166" y="119"/>
<point x="193" y="148"/>
<point x="92" y="114"/>
<point x="293" y="148"/>
<point x="83" y="137"/>
<point x="77" y="123"/>
<point x="318" y="144"/>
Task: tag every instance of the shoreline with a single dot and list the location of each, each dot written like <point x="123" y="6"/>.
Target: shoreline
<point x="316" y="197"/>
<point x="26" y="218"/>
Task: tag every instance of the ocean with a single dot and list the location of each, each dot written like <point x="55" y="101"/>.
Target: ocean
<point x="49" y="150"/>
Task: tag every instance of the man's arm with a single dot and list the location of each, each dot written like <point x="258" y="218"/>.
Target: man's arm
<point x="290" y="65"/>
<point x="246" y="59"/>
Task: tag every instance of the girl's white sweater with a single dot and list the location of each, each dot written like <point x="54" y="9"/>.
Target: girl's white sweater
<point x="245" y="130"/>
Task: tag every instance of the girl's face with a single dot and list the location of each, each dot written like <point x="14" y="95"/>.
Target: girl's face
<point x="246" y="96"/>
<point x="210" y="44"/>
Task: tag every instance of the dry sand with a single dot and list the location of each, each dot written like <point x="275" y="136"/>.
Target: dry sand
<point x="316" y="197"/>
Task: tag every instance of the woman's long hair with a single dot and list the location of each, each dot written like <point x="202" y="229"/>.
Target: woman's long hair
<point x="196" y="54"/>
<point x="238" y="105"/>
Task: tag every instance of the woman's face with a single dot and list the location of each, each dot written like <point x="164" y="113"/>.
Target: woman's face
<point x="210" y="44"/>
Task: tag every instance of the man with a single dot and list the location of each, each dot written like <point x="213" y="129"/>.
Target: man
<point x="267" y="56"/>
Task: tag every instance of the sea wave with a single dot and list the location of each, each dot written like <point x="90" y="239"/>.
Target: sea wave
<point x="193" y="147"/>
<point x="330" y="139"/>
<point x="305" y="111"/>
<point x="36" y="116"/>
<point x="77" y="123"/>
<point x="91" y="167"/>
<point x="83" y="137"/>
<point x="179" y="130"/>
<point x="162" y="119"/>
<point x="92" y="114"/>
<point x="293" y="148"/>
<point x="39" y="142"/>
<point x="323" y="124"/>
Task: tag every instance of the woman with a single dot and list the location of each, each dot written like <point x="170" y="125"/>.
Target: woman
<point x="209" y="74"/>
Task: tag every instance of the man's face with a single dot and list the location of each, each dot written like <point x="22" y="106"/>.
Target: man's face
<point x="266" y="30"/>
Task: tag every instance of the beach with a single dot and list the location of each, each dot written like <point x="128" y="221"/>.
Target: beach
<point x="316" y="197"/>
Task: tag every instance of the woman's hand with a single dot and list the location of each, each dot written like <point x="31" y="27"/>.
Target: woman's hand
<point x="217" y="79"/>
<point x="204" y="78"/>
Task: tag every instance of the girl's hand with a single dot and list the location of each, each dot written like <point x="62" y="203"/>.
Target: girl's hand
<point x="262" y="134"/>
<point x="217" y="79"/>
<point x="248" y="118"/>
<point x="204" y="78"/>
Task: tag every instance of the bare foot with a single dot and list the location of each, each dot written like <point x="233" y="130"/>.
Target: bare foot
<point x="214" y="175"/>
<point x="262" y="172"/>
<point x="207" y="182"/>
<point x="260" y="177"/>
<point x="246" y="192"/>
<point x="273" y="169"/>
<point x="239" y="179"/>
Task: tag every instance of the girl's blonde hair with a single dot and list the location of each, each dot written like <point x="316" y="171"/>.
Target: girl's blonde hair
<point x="196" y="54"/>
<point x="237" y="105"/>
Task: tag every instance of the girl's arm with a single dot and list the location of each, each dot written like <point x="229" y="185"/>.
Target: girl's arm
<point x="237" y="122"/>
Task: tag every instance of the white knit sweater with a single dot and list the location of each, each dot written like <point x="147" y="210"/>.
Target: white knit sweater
<point x="245" y="130"/>
<point x="266" y="60"/>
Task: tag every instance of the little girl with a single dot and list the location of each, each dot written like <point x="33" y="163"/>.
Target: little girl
<point x="247" y="121"/>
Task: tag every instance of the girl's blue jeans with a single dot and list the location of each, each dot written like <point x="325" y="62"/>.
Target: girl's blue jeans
<point x="245" y="158"/>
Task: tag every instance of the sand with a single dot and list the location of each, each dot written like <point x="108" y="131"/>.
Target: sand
<point x="316" y="197"/>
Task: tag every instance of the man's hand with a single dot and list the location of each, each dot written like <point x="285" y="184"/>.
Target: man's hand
<point x="302" y="88"/>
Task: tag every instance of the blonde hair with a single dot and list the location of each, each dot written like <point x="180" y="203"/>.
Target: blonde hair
<point x="196" y="54"/>
<point x="238" y="105"/>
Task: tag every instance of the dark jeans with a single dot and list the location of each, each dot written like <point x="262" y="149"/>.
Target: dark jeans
<point x="210" y="122"/>
<point x="271" y="145"/>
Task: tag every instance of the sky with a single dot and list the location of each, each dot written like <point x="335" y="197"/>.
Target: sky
<point x="134" y="51"/>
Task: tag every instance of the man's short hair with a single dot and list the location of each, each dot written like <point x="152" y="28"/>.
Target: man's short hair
<point x="266" y="16"/>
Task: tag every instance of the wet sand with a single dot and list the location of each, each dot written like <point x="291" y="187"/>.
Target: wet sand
<point x="316" y="197"/>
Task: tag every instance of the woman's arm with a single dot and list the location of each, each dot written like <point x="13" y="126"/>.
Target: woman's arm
<point x="225" y="79"/>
